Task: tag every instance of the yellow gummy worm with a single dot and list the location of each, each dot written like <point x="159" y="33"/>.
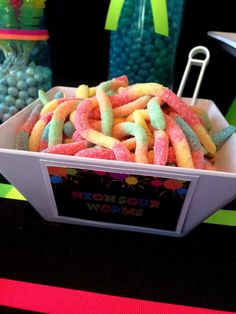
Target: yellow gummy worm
<point x="82" y="91"/>
<point x="72" y="116"/>
<point x="127" y="109"/>
<point x="144" y="113"/>
<point x="130" y="143"/>
<point x="141" y="89"/>
<point x="50" y="106"/>
<point x="139" y="119"/>
<point x="35" y="136"/>
<point x="92" y="91"/>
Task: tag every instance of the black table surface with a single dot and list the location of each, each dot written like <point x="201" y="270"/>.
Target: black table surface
<point x="196" y="270"/>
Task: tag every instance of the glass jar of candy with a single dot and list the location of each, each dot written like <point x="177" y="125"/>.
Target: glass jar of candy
<point x="144" y="44"/>
<point x="24" y="55"/>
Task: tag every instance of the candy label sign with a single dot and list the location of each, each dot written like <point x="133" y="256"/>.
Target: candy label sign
<point x="120" y="198"/>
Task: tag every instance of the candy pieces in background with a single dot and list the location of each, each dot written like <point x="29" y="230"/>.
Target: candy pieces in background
<point x="24" y="55"/>
<point x="20" y="88"/>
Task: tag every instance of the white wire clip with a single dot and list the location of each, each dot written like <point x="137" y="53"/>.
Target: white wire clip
<point x="199" y="62"/>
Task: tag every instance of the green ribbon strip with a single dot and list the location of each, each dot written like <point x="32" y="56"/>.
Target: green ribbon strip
<point x="10" y="192"/>
<point x="223" y="217"/>
<point x="160" y="17"/>
<point x="159" y="12"/>
<point x="231" y="114"/>
<point x="113" y="15"/>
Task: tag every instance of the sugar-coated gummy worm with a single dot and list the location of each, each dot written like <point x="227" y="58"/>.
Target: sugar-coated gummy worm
<point x="82" y="91"/>
<point x="156" y="114"/>
<point x="130" y="107"/>
<point x="58" y="119"/>
<point x="193" y="141"/>
<point x="82" y="113"/>
<point x="219" y="138"/>
<point x="139" y="119"/>
<point x="22" y="137"/>
<point x="203" y="116"/>
<point x="171" y="156"/>
<point x="53" y="104"/>
<point x="114" y="84"/>
<point x="43" y="144"/>
<point x="96" y="152"/>
<point x="130" y="143"/>
<point x="144" y="113"/>
<point x="150" y="156"/>
<point x="190" y="117"/>
<point x="179" y="143"/>
<point x="131" y="128"/>
<point x="37" y="131"/>
<point x="161" y="147"/>
<point x="96" y="124"/>
<point x="208" y="165"/>
<point x="106" y="111"/>
<point x="67" y="149"/>
<point x="141" y="89"/>
<point x="43" y="97"/>
<point x="116" y="101"/>
<point x="92" y="91"/>
<point x="84" y="129"/>
<point x="105" y="104"/>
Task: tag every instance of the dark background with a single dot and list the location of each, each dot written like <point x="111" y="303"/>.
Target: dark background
<point x="79" y="45"/>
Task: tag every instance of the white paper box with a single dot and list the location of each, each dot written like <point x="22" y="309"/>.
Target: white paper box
<point x="119" y="195"/>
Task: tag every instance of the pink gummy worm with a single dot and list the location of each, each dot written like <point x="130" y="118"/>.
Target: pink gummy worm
<point x="116" y="101"/>
<point x="194" y="143"/>
<point x="161" y="147"/>
<point x="82" y="113"/>
<point x="64" y="109"/>
<point x="114" y="84"/>
<point x="198" y="159"/>
<point x="171" y="156"/>
<point x="179" y="142"/>
<point x="96" y="152"/>
<point x="121" y="152"/>
<point x="84" y="129"/>
<point x="180" y="107"/>
<point x="32" y="119"/>
<point x="130" y="128"/>
<point x="190" y="117"/>
<point x="67" y="149"/>
<point x="46" y="117"/>
<point x="127" y="109"/>
<point x="53" y="104"/>
<point x="122" y="78"/>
